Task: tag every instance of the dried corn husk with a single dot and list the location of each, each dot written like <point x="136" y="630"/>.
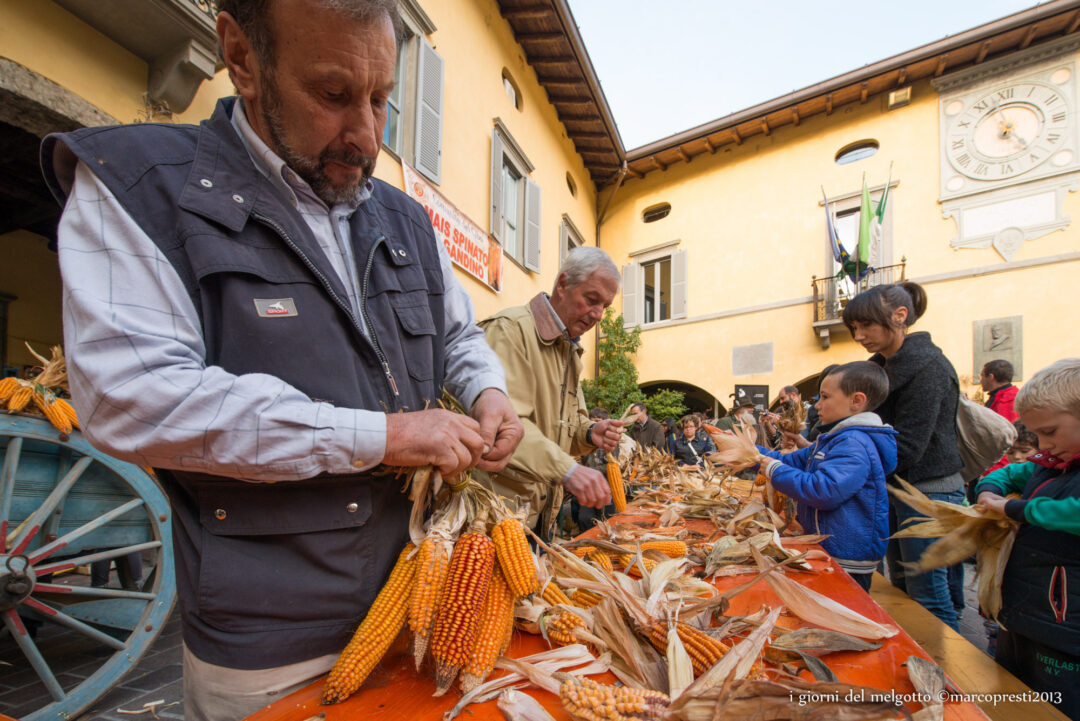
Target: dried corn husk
<point x="961" y="532"/>
<point x="518" y="706"/>
<point x="819" y="609"/>
<point x="929" y="680"/>
<point x="734" y="451"/>
<point x="680" y="667"/>
<point x="539" y="665"/>
<point x="786" y="698"/>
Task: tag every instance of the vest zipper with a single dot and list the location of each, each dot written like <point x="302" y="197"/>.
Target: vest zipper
<point x="367" y="319"/>
<point x="372" y="341"/>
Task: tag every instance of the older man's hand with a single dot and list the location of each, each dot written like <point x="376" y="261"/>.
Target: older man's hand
<point x="589" y="486"/>
<point x="500" y="428"/>
<point x="449" y="441"/>
<point x="606" y="434"/>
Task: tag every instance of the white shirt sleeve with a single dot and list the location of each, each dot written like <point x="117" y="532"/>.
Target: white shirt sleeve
<point x="471" y="365"/>
<point x="138" y="374"/>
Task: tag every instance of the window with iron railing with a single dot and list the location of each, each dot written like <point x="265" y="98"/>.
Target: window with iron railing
<point x="833" y="293"/>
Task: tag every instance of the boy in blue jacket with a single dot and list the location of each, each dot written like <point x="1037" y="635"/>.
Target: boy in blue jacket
<point x="839" y="481"/>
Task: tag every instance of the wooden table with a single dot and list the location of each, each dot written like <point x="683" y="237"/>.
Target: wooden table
<point x="395" y="690"/>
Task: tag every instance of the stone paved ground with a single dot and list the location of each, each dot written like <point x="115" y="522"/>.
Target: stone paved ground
<point x="72" y="658"/>
<point x="158" y="675"/>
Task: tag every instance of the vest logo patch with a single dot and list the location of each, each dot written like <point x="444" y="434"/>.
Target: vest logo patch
<point x="275" y="307"/>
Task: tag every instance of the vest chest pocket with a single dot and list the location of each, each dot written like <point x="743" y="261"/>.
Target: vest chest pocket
<point x="414" y="317"/>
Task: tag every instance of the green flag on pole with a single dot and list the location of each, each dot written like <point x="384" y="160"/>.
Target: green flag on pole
<point x="878" y="221"/>
<point x="865" y="216"/>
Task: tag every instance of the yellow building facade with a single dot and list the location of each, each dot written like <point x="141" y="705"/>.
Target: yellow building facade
<point x="501" y="116"/>
<point x="66" y="66"/>
<point x="746" y="228"/>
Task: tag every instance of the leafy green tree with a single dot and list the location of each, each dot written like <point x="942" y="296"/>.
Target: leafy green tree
<point x="616" y="386"/>
<point x="666" y="403"/>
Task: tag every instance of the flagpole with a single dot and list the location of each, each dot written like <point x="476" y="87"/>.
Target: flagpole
<point x="858" y="252"/>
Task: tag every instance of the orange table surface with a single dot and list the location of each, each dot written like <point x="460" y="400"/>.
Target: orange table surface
<point x="396" y="691"/>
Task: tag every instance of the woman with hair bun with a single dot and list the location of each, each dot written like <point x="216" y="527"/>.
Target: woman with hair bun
<point x="923" y="395"/>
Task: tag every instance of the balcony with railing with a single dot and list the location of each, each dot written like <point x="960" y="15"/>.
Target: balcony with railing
<point x="176" y="38"/>
<point x="830" y="295"/>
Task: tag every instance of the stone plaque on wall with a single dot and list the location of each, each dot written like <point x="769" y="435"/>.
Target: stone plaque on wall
<point x="999" y="339"/>
<point x="747" y="360"/>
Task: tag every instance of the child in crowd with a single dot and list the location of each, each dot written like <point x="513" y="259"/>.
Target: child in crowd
<point x="1039" y="641"/>
<point x="839" y="481"/>
<point x="1026" y="444"/>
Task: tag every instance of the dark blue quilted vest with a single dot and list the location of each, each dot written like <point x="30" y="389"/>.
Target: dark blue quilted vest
<point x="271" y="574"/>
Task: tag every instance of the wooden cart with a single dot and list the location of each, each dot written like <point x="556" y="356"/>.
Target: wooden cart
<point x="64" y="504"/>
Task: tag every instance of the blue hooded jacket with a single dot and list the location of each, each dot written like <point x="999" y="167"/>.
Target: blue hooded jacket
<point x="839" y="484"/>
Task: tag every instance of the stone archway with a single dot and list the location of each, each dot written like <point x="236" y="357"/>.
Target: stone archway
<point x="695" y="398"/>
<point x="31" y="107"/>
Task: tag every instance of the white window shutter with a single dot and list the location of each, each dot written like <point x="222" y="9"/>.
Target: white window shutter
<point x="631" y="313"/>
<point x="678" y="284"/>
<point x="564" y="243"/>
<point x="496" y="228"/>
<point x="532" y="226"/>
<point x="428" y="150"/>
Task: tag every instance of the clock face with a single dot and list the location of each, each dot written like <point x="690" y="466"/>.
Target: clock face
<point x="1008" y="131"/>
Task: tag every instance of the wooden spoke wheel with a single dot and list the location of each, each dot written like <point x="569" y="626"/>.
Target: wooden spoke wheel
<point x="65" y="505"/>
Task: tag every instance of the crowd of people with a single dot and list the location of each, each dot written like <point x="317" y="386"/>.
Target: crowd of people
<point x="895" y="416"/>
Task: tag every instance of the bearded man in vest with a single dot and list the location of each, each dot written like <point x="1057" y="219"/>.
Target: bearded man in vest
<point x="539" y="346"/>
<point x="250" y="313"/>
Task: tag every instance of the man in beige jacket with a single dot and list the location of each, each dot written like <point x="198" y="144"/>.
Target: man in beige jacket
<point x="539" y="349"/>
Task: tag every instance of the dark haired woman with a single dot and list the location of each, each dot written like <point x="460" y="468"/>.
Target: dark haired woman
<point x="923" y="395"/>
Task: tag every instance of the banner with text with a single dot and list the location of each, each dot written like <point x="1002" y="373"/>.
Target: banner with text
<point x="471" y="249"/>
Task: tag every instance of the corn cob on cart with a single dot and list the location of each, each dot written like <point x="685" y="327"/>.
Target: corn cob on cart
<point x="64" y="504"/>
<point x="396" y="691"/>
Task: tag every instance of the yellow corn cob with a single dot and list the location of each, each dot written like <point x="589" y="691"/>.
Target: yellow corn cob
<point x="376" y="632"/>
<point x="615" y="482"/>
<point x="704" y="650"/>
<point x="19" y="399"/>
<point x="634" y="569"/>
<point x="600" y="560"/>
<point x="554" y="595"/>
<point x="561" y="626"/>
<point x="585" y="599"/>
<point x="47" y="404"/>
<point x="491" y="638"/>
<point x="582" y="551"/>
<point x="587" y="700"/>
<point x="460" y="607"/>
<point x="671" y="549"/>
<point x="432" y="563"/>
<point x="66" y="408"/>
<point x="517" y="562"/>
<point x="7" y="387"/>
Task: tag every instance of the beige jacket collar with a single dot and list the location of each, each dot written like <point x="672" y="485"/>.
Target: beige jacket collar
<point x="549" y="327"/>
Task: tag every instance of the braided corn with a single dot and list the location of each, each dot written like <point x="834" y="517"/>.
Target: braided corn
<point x="491" y="637"/>
<point x="517" y="562"/>
<point x="432" y="564"/>
<point x="460" y="607"/>
<point x="375" y="634"/>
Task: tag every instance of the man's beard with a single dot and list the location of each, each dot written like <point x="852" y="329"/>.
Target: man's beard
<point x="313" y="171"/>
